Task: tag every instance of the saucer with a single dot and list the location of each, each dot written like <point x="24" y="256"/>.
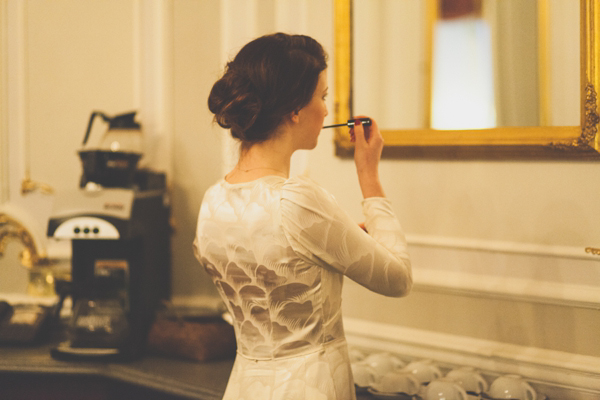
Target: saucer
<point x="361" y="389"/>
<point x="390" y="396"/>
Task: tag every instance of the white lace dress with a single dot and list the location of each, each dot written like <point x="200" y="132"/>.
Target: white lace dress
<point x="277" y="249"/>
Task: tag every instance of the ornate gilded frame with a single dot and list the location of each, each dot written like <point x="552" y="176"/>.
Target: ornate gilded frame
<point x="571" y="142"/>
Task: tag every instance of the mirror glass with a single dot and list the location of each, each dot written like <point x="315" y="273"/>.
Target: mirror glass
<point x="466" y="64"/>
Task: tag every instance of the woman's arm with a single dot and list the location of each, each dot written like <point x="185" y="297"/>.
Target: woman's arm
<point x="324" y="234"/>
<point x="368" y="145"/>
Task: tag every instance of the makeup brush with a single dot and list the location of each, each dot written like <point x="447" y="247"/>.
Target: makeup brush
<point x="350" y="123"/>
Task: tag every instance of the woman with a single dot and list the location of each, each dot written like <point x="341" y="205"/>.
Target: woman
<point x="277" y="248"/>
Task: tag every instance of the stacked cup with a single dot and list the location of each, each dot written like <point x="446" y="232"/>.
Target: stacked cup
<point x="445" y="389"/>
<point x="384" y="374"/>
<point x="470" y="380"/>
<point x="474" y="386"/>
<point x="380" y="373"/>
<point x="463" y="383"/>
<point x="369" y="370"/>
<point x="512" y="387"/>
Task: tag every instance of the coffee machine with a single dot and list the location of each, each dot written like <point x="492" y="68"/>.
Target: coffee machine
<point x="120" y="266"/>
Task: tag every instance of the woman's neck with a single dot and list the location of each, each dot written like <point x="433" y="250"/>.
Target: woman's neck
<point x="271" y="157"/>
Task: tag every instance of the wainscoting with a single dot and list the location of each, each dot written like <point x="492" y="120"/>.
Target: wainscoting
<point x="557" y="375"/>
<point x="543" y="299"/>
<point x="548" y="274"/>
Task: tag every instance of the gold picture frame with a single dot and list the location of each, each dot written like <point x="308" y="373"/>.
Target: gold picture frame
<point x="552" y="142"/>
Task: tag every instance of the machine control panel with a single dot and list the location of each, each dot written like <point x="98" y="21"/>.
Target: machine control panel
<point x="86" y="228"/>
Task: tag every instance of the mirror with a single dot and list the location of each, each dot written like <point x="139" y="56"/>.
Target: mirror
<point x="539" y="108"/>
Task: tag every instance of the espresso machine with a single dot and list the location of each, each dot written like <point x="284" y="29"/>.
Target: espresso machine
<point x="120" y="267"/>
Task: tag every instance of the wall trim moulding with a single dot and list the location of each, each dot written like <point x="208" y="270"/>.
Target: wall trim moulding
<point x="558" y="373"/>
<point x="16" y="90"/>
<point x="499" y="246"/>
<point x="3" y="102"/>
<point x="515" y="289"/>
<point x="548" y="274"/>
<point x="152" y="79"/>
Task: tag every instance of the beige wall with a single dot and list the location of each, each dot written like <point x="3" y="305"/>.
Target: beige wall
<point x="3" y="105"/>
<point x="196" y="143"/>
<point x="83" y="56"/>
<point x="75" y="65"/>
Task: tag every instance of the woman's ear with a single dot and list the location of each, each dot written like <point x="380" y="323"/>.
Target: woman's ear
<point x="295" y="116"/>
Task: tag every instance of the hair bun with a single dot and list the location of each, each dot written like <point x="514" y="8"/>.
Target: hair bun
<point x="235" y="104"/>
<point x="269" y="78"/>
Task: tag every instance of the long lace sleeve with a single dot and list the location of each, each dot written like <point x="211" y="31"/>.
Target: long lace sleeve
<point x="320" y="231"/>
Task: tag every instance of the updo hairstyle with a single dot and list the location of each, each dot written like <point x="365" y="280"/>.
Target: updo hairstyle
<point x="269" y="78"/>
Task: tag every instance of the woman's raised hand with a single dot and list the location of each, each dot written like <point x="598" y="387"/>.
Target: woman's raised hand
<point x="368" y="145"/>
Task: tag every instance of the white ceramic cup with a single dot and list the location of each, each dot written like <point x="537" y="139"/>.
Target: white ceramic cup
<point x="356" y="355"/>
<point x="512" y="387"/>
<point x="364" y="375"/>
<point x="424" y="370"/>
<point x="469" y="379"/>
<point x="397" y="382"/>
<point x="445" y="389"/>
<point x="383" y="362"/>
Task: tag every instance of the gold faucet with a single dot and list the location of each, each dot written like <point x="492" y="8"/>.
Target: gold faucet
<point x="30" y="257"/>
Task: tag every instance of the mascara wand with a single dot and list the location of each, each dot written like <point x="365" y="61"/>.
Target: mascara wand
<point x="350" y="123"/>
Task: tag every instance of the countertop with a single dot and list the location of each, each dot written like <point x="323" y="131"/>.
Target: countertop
<point x="176" y="377"/>
<point x="167" y="377"/>
<point x="186" y="379"/>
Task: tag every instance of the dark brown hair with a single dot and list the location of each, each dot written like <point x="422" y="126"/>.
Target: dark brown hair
<point x="269" y="78"/>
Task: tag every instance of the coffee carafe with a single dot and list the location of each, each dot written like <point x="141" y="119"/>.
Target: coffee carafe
<point x="112" y="161"/>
